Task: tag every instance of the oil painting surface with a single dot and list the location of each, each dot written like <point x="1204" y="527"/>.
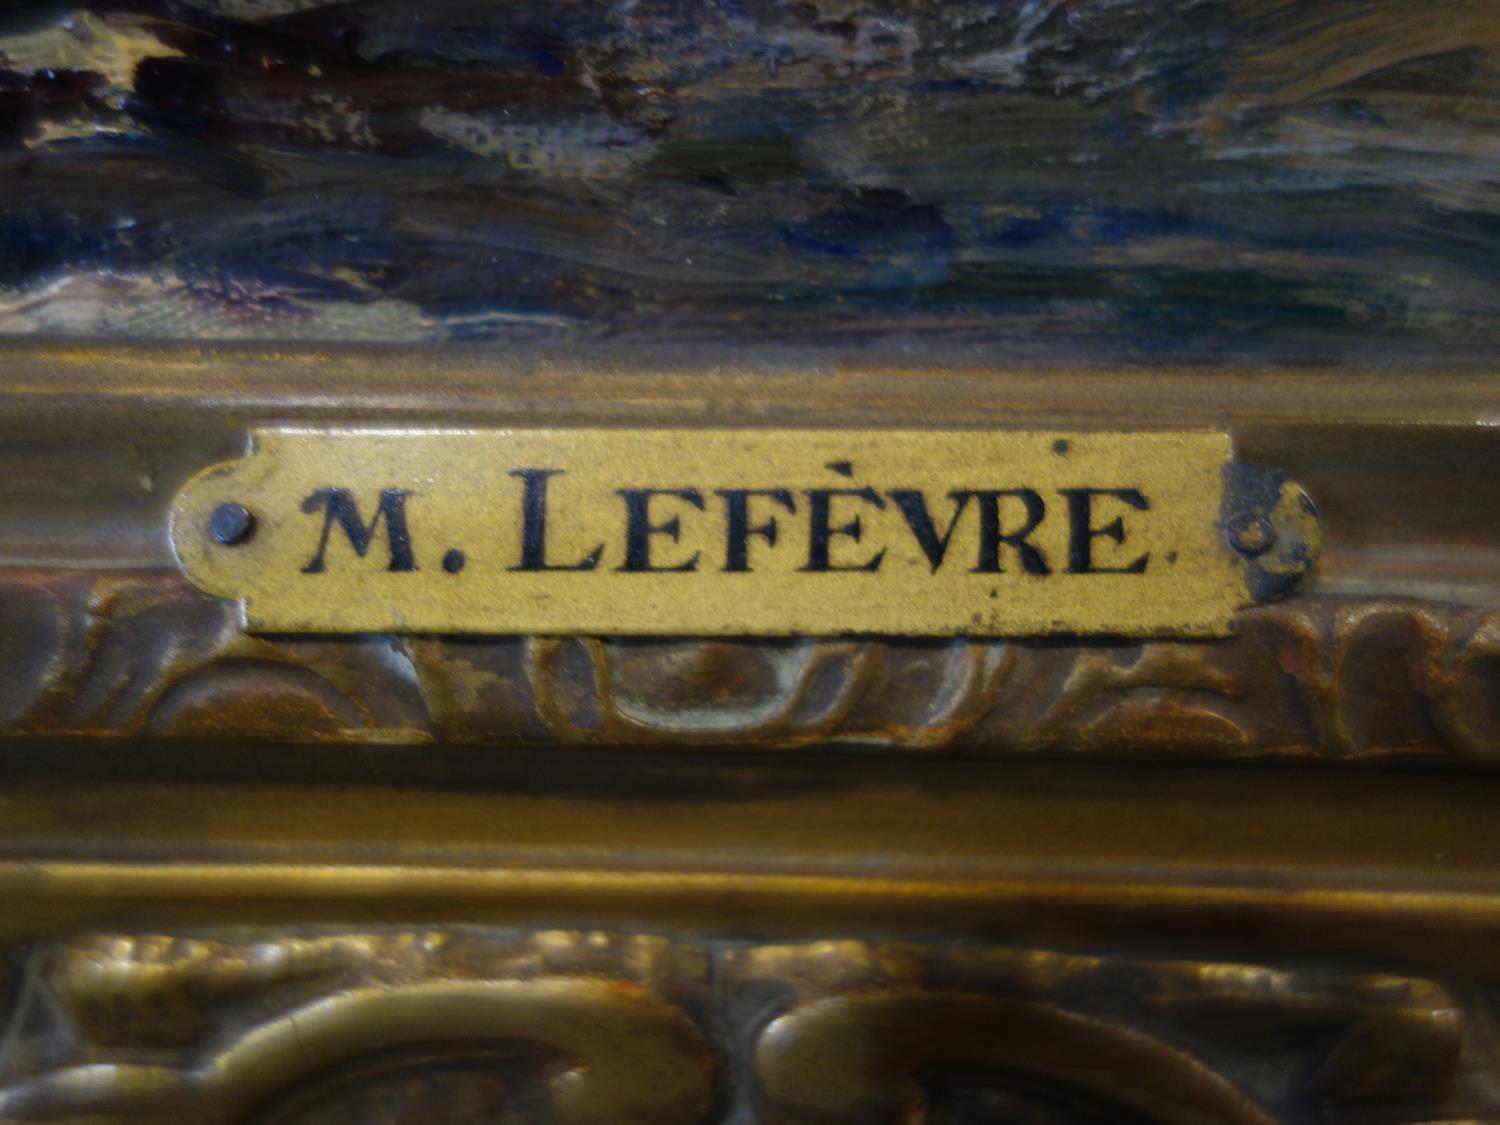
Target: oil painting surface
<point x="1130" y="178"/>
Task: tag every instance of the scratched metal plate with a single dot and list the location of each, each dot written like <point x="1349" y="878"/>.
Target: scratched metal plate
<point x="736" y="532"/>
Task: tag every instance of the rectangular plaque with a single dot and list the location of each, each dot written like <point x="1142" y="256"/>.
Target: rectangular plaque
<point x="734" y="532"/>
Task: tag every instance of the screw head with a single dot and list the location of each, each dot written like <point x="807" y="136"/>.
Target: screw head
<point x="231" y="523"/>
<point x="1251" y="534"/>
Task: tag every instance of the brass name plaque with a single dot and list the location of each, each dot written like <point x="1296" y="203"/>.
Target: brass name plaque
<point x="742" y="532"/>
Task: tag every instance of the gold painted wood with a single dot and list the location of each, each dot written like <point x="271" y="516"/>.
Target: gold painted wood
<point x="237" y="995"/>
<point x="601" y="1028"/>
<point x="1389" y="652"/>
<point x="122" y="657"/>
<point x="282" y="879"/>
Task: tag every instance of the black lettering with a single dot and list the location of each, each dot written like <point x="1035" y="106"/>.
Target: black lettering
<point x="534" y="524"/>
<point x="913" y="506"/>
<point x="1082" y="532"/>
<point x="820" y="532"/>
<point x="339" y="507"/>
<point x="992" y="537"/>
<point x="737" y="529"/>
<point x="639" y="529"/>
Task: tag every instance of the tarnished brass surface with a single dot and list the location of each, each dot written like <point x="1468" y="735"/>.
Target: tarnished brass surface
<point x="728" y="533"/>
<point x="426" y="878"/>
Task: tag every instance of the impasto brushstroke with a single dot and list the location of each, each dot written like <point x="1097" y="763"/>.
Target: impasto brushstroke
<point x="1026" y="177"/>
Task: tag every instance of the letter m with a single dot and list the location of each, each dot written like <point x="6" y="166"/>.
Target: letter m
<point x="339" y="507"/>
